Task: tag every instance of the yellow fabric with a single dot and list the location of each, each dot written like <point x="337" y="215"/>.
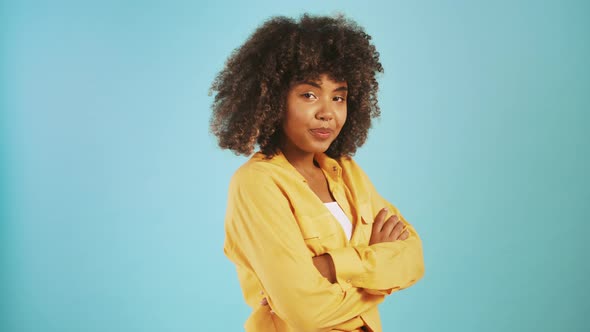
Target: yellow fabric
<point x="275" y="224"/>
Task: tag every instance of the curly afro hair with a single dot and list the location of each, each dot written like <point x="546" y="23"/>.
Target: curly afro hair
<point x="250" y="102"/>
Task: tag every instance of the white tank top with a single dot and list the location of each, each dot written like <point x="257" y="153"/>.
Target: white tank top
<point x="336" y="210"/>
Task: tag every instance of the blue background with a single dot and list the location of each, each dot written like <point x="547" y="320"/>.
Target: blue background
<point x="113" y="191"/>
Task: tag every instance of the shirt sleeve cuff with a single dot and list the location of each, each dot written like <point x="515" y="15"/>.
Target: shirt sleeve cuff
<point x="348" y="266"/>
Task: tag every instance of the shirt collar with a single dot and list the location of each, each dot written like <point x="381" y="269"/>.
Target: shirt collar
<point x="330" y="166"/>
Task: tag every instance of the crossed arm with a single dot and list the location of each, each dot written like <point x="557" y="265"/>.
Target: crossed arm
<point x="266" y="238"/>
<point x="303" y="295"/>
<point x="383" y="230"/>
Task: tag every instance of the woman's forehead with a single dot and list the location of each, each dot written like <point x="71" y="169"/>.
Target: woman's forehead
<point x="318" y="79"/>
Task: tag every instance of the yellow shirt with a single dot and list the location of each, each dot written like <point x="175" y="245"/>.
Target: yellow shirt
<point x="275" y="224"/>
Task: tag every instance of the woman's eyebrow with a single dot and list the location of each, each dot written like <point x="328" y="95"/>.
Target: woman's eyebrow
<point x="314" y="84"/>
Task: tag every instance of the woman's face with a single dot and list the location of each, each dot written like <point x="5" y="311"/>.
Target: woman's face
<point x="316" y="112"/>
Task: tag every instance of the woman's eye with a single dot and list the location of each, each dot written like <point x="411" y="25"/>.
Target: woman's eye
<point x="338" y="98"/>
<point x="308" y="95"/>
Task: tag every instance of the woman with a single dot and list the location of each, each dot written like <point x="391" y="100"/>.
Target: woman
<point x="315" y="246"/>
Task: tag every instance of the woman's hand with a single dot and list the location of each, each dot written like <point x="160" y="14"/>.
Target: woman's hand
<point x="325" y="265"/>
<point x="264" y="302"/>
<point x="383" y="230"/>
<point x="388" y="230"/>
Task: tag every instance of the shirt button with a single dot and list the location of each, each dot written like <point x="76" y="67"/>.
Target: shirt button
<point x="348" y="281"/>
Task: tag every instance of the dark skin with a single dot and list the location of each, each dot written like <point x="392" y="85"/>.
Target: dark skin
<point x="316" y="112"/>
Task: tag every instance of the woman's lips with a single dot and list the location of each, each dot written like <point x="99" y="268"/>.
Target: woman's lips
<point x="321" y="133"/>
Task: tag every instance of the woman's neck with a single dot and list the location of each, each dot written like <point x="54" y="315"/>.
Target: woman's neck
<point x="300" y="160"/>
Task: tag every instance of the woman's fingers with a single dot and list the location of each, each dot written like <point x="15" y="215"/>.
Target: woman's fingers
<point x="387" y="230"/>
<point x="398" y="229"/>
<point x="404" y="235"/>
<point x="388" y="227"/>
<point x="264" y="301"/>
<point x="379" y="220"/>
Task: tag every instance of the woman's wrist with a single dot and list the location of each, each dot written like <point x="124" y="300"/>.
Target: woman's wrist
<point x="325" y="265"/>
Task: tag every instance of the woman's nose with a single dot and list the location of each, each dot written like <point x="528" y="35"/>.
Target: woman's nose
<point x="325" y="113"/>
